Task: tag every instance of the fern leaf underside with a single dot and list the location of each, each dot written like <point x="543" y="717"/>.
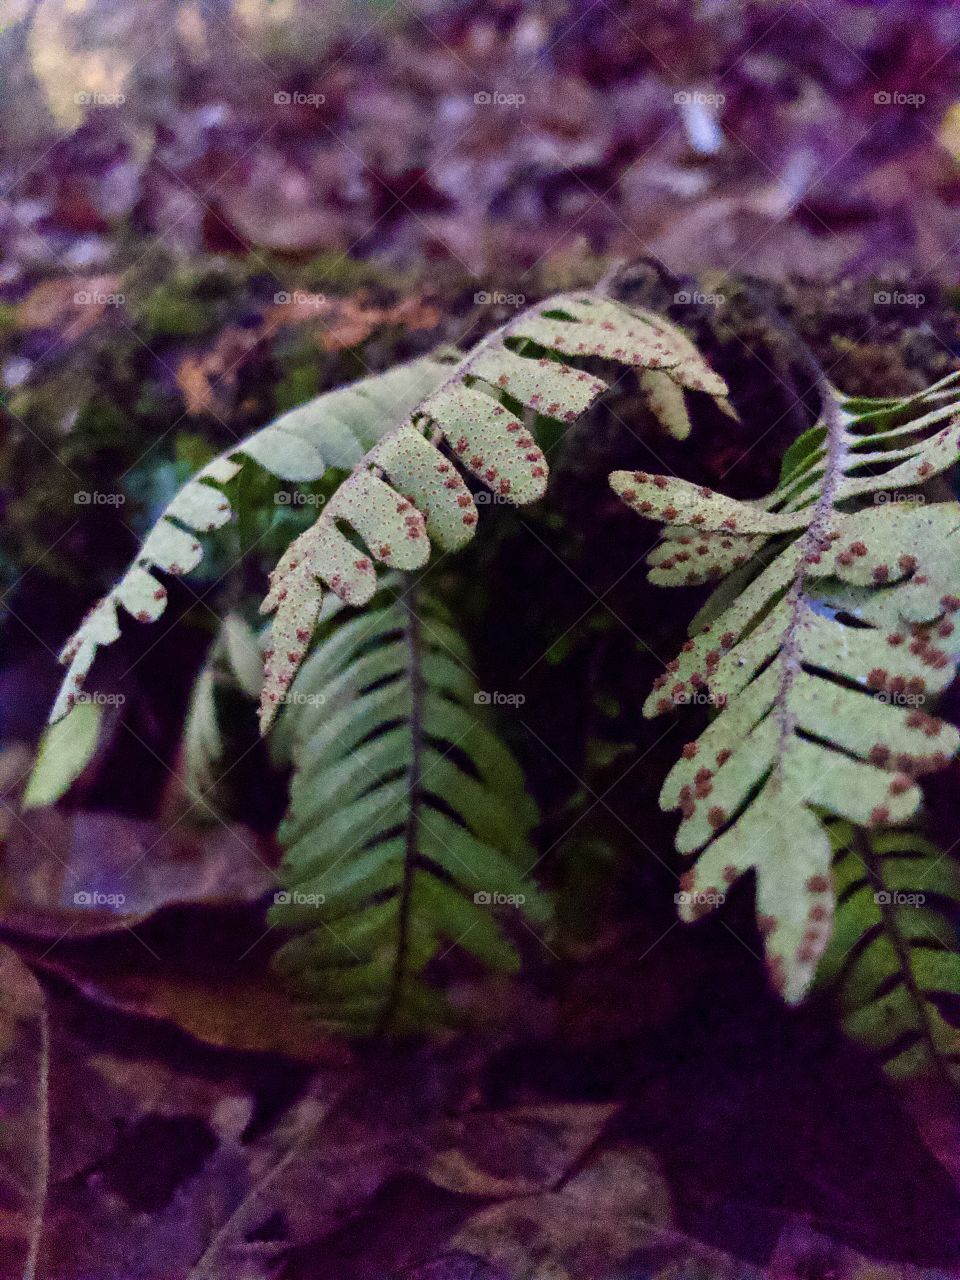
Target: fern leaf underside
<point x="334" y="429"/>
<point x="820" y="654"/>
<point x="403" y="492"/>
<point x="408" y="494"/>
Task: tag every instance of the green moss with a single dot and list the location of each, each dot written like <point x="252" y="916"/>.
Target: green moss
<point x="301" y="375"/>
<point x="170" y="311"/>
<point x="8" y="319"/>
<point x="335" y="272"/>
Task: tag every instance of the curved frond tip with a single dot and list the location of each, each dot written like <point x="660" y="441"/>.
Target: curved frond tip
<point x="408" y="492"/>
<point x="403" y="491"/>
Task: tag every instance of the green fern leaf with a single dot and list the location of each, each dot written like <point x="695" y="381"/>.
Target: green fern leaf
<point x="819" y="652"/>
<point x="335" y="430"/>
<point x="407" y="820"/>
<point x="893" y="949"/>
<point x="406" y="494"/>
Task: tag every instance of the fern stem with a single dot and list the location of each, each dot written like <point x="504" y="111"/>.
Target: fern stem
<point x="888" y="916"/>
<point x="42" y="1180"/>
<point x="413" y="638"/>
<point x="812" y="542"/>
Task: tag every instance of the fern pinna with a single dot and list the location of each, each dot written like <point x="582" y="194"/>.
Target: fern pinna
<point x="408" y="820"/>
<point x="332" y="430"/>
<point x="892" y="959"/>
<point x="820" y="651"/>
<point x="407" y="493"/>
<point x="403" y="492"/>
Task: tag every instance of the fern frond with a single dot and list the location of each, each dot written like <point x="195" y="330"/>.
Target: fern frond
<point x="406" y="493"/>
<point x="820" y="652"/>
<point x="893" y="949"/>
<point x="407" y="819"/>
<point x="332" y="430"/>
<point x="232" y="661"/>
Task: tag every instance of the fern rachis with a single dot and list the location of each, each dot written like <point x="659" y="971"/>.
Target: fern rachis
<point x="406" y="493"/>
<point x="835" y="613"/>
<point x="893" y="955"/>
<point x="403" y="492"/>
<point x="407" y="818"/>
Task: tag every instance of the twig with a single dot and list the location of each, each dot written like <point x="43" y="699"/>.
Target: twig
<point x="43" y="1142"/>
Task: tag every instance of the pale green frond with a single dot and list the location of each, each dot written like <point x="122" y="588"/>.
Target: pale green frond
<point x="335" y="429"/>
<point x="407" y="492"/>
<point x="820" y="654"/>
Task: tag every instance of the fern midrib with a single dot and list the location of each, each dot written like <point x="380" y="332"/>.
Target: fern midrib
<point x="810" y="543"/>
<point x="463" y="369"/>
<point x="415" y="793"/>
<point x="888" y="917"/>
